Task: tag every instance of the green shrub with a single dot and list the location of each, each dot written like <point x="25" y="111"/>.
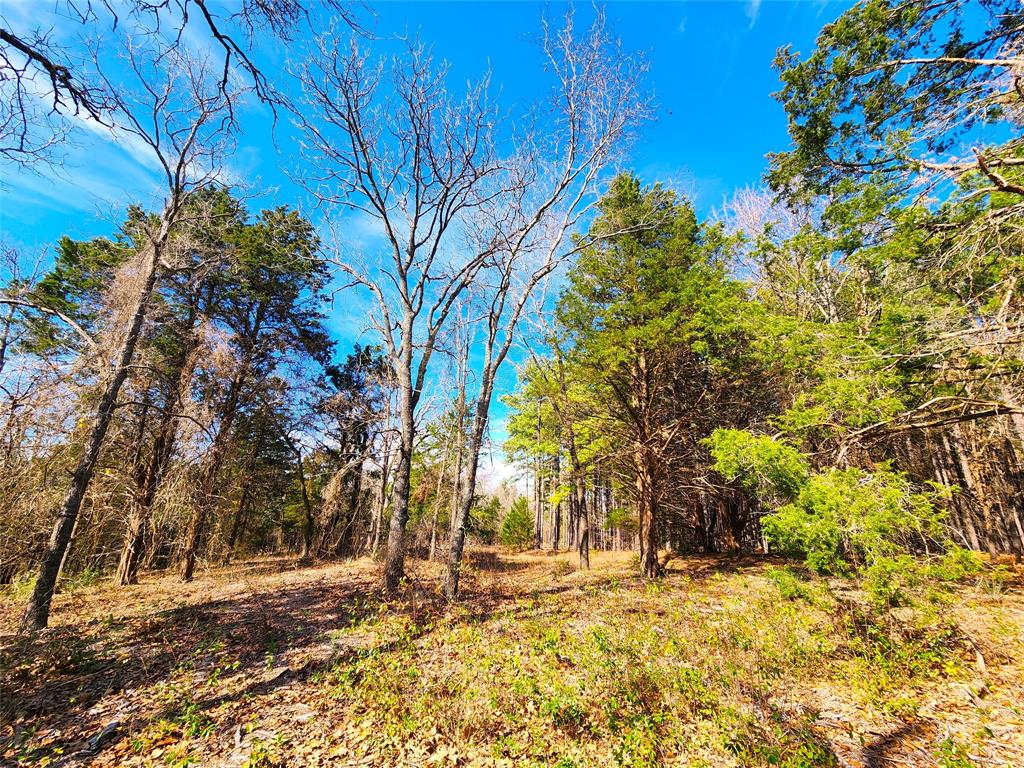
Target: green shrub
<point x="844" y="521"/>
<point x="565" y="712"/>
<point x="888" y="580"/>
<point x="845" y="518"/>
<point x="21" y="587"/>
<point x="483" y="520"/>
<point x="957" y="563"/>
<point x="87" y="577"/>
<point x="769" y="468"/>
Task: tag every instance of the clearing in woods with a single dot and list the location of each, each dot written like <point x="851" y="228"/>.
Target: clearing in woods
<point x="724" y="663"/>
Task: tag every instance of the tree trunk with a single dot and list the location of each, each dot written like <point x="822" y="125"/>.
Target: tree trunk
<point x="236" y="526"/>
<point x="346" y="542"/>
<point x="138" y="521"/>
<point x="647" y="513"/>
<point x="194" y="532"/>
<point x="308" y="527"/>
<point x="556" y="533"/>
<point x="584" y="545"/>
<point x="163" y="449"/>
<point x="467" y="487"/>
<point x="967" y="523"/>
<point x="373" y="540"/>
<point x="974" y="489"/>
<point x="538" y="521"/>
<point x="215" y="458"/>
<point x="394" y="566"/>
<point x="140" y="473"/>
<point x="579" y="501"/>
<point x="37" y="613"/>
<point x="330" y="508"/>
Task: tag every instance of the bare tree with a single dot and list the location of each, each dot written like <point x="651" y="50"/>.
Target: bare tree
<point x="409" y="155"/>
<point x="394" y="145"/>
<point x="597" y="104"/>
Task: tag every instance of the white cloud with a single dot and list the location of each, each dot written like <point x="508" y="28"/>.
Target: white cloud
<point x="752" y="10"/>
<point x="495" y="470"/>
<point x="96" y="176"/>
<point x="128" y="142"/>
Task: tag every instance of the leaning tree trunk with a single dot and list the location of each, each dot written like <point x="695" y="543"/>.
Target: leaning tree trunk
<point x="584" y="544"/>
<point x="208" y="479"/>
<point x="467" y="491"/>
<point x="163" y="449"/>
<point x="37" y="613"/>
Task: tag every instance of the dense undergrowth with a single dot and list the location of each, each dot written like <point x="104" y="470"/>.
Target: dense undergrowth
<point x="723" y="663"/>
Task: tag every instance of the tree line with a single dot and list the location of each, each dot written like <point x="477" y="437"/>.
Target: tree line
<point x="828" y="367"/>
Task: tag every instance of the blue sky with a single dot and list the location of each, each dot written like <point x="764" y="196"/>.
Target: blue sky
<point x="710" y="71"/>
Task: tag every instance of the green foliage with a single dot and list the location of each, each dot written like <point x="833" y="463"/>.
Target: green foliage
<point x="85" y="578"/>
<point x="791" y="587"/>
<point x="841" y="521"/>
<point x="844" y="518"/>
<point x="653" y="278"/>
<point x="956" y="563"/>
<point x="81" y="273"/>
<point x="483" y="520"/>
<point x="763" y="465"/>
<point x="517" y="528"/>
<point x="894" y="581"/>
<point x="266" y="754"/>
<point x="953" y="755"/>
<point x="20" y="588"/>
<point x="858" y="103"/>
<point x="623" y="520"/>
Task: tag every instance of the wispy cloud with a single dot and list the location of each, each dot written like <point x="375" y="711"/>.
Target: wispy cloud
<point x="752" y="10"/>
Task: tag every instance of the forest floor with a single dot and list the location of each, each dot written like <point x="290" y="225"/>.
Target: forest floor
<point x="726" y="662"/>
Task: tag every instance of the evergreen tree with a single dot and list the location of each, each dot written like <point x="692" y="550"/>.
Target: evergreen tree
<point x="517" y="527"/>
